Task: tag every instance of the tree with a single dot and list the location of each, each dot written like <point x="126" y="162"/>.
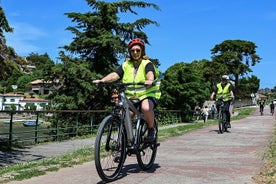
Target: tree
<point x="72" y="86"/>
<point x="98" y="45"/>
<point x="24" y="82"/>
<point x="6" y="67"/>
<point x="183" y="87"/>
<point x="273" y="89"/>
<point x="4" y="27"/>
<point x="247" y="86"/>
<point x="10" y="63"/>
<point x="237" y="56"/>
<point x="43" y="65"/>
<point x="100" y="38"/>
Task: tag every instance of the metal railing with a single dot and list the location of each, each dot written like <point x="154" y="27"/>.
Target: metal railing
<point x="21" y="128"/>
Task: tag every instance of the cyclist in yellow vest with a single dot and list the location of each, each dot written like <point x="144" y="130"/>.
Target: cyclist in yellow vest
<point x="139" y="69"/>
<point x="224" y="89"/>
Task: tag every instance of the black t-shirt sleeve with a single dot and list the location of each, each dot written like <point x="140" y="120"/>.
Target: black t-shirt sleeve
<point x="150" y="67"/>
<point x="120" y="71"/>
<point x="215" y="89"/>
<point x="231" y="88"/>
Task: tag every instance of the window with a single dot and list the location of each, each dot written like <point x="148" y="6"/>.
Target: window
<point x="12" y="100"/>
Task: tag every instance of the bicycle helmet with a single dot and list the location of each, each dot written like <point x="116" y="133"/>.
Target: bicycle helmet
<point x="225" y="77"/>
<point x="135" y="41"/>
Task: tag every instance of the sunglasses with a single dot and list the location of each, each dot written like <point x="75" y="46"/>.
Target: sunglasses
<point x="135" y="50"/>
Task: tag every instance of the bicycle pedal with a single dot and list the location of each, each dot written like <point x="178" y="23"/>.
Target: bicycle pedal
<point x="158" y="144"/>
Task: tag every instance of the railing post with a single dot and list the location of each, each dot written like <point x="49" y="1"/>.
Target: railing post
<point x="77" y="124"/>
<point x="36" y="128"/>
<point x="91" y="122"/>
<point x="11" y="131"/>
<point x="57" y="127"/>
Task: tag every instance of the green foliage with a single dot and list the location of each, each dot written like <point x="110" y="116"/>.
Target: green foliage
<point x="99" y="43"/>
<point x="237" y="56"/>
<point x="183" y="87"/>
<point x="73" y="88"/>
<point x="248" y="85"/>
<point x="13" y="107"/>
<point x="100" y="38"/>
<point x="24" y="82"/>
<point x="212" y="71"/>
<point x="4" y="27"/>
<point x="30" y="106"/>
<point x="43" y="65"/>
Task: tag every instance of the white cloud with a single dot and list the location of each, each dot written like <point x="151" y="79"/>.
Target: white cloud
<point x="24" y="38"/>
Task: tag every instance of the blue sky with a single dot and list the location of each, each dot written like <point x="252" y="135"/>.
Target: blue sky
<point x="188" y="29"/>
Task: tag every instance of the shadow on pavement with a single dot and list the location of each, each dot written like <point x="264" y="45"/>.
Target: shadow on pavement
<point x="17" y="156"/>
<point x="132" y="168"/>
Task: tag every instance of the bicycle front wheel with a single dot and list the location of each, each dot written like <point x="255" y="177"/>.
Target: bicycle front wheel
<point x="146" y="151"/>
<point x="220" y="122"/>
<point x="225" y="124"/>
<point x="110" y="149"/>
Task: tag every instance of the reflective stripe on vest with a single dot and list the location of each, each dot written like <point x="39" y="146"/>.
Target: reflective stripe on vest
<point x="224" y="92"/>
<point x="139" y="91"/>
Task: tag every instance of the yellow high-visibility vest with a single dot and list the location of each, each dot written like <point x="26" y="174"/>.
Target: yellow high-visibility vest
<point x="132" y="75"/>
<point x="223" y="92"/>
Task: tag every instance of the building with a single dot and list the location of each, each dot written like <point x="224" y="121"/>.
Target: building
<point x="38" y="102"/>
<point x="40" y="87"/>
<point x="19" y="102"/>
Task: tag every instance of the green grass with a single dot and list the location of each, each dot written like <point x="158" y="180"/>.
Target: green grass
<point x="268" y="172"/>
<point x="36" y="168"/>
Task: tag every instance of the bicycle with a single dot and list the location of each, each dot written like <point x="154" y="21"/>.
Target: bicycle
<point x="117" y="138"/>
<point x="222" y="123"/>
<point x="262" y="110"/>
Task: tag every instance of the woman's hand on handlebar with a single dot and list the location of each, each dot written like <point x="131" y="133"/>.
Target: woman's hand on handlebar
<point x="148" y="83"/>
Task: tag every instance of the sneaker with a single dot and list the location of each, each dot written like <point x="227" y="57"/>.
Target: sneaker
<point x="151" y="135"/>
<point x="117" y="158"/>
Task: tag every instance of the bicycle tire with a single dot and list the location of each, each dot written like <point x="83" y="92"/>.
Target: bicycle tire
<point x="109" y="155"/>
<point x="220" y="122"/>
<point x="146" y="152"/>
<point x="225" y="126"/>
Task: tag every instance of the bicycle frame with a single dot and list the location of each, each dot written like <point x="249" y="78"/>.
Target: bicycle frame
<point x="222" y="116"/>
<point x="127" y="107"/>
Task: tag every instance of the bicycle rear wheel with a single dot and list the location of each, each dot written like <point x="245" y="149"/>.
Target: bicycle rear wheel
<point x="146" y="151"/>
<point x="110" y="149"/>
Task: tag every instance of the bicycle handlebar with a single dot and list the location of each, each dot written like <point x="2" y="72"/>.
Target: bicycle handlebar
<point x="121" y="84"/>
<point x="221" y="99"/>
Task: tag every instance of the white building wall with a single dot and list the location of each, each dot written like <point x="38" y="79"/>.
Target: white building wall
<point x="18" y="100"/>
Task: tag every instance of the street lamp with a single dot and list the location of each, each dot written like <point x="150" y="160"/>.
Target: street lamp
<point x="14" y="87"/>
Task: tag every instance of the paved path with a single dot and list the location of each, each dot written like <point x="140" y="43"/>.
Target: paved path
<point x="198" y="157"/>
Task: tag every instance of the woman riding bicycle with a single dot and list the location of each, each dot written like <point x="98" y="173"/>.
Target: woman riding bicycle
<point x="225" y="90"/>
<point x="139" y="69"/>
